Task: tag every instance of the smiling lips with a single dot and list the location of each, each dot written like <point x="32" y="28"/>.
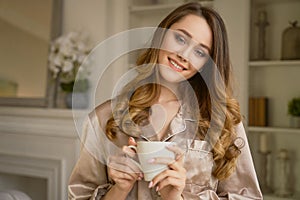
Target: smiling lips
<point x="174" y="65"/>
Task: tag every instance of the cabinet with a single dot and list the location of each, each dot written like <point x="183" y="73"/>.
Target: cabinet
<point x="278" y="80"/>
<point x="39" y="148"/>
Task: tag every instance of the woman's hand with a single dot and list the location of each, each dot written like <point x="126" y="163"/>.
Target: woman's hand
<point x="171" y="182"/>
<point x="122" y="170"/>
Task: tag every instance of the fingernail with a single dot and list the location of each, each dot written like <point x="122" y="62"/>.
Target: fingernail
<point x="157" y="188"/>
<point x="151" y="160"/>
<point x="139" y="178"/>
<point x="131" y="139"/>
<point x="141" y="175"/>
<point x="150" y="184"/>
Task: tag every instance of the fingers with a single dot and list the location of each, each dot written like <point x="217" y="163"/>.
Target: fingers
<point x="175" y="176"/>
<point x="123" y="164"/>
<point x="169" y="177"/>
<point x="176" y="164"/>
<point x="120" y="168"/>
<point x="161" y="160"/>
<point x="118" y="175"/>
<point x="131" y="141"/>
<point x="170" y="181"/>
<point x="129" y="151"/>
<point x="172" y="164"/>
<point x="179" y="153"/>
<point x="165" y="174"/>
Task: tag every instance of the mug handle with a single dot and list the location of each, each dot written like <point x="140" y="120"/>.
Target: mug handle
<point x="133" y="147"/>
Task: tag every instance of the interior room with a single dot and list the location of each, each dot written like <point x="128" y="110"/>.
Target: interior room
<point x="39" y="123"/>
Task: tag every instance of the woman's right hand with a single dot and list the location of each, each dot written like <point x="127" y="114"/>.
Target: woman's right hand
<point x="122" y="169"/>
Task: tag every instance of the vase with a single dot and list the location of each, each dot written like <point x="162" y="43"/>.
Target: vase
<point x="295" y="122"/>
<point x="291" y="42"/>
<point x="77" y="100"/>
<point x="53" y="92"/>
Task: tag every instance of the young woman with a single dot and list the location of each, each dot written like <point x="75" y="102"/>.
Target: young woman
<point x="183" y="91"/>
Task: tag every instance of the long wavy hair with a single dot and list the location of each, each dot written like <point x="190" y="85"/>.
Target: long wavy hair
<point x="135" y="102"/>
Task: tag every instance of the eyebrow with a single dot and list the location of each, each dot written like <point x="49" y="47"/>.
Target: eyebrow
<point x="190" y="36"/>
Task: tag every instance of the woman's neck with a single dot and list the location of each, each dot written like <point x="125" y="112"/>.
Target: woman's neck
<point x="167" y="94"/>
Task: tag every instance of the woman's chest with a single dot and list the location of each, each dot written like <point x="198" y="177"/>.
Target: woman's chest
<point x="161" y="117"/>
<point x="199" y="163"/>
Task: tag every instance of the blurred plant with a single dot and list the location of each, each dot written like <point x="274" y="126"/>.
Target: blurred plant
<point x="67" y="54"/>
<point x="294" y="107"/>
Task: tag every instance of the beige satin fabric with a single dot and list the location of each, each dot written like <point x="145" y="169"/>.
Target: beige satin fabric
<point x="89" y="178"/>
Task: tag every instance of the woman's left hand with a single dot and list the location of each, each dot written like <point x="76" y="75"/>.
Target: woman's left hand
<point x="171" y="182"/>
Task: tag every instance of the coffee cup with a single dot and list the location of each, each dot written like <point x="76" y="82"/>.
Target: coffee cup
<point x="148" y="150"/>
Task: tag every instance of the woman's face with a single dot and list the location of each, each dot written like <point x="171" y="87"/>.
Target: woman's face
<point x="185" y="49"/>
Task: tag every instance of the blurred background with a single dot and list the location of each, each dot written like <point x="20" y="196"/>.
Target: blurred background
<point x="43" y="42"/>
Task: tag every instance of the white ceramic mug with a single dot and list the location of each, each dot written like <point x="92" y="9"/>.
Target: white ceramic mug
<point x="149" y="150"/>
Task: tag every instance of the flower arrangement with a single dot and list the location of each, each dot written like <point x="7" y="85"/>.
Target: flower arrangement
<point x="67" y="53"/>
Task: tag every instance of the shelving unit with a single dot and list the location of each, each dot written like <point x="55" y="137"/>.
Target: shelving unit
<point x="273" y="197"/>
<point x="274" y="130"/>
<point x="141" y="9"/>
<point x="271" y="63"/>
<point x="273" y="78"/>
<point x="278" y="80"/>
<point x="151" y="14"/>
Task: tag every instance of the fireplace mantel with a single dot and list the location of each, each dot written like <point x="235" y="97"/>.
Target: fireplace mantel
<point x="37" y="142"/>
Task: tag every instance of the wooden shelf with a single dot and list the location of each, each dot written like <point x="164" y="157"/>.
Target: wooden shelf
<point x="149" y="8"/>
<point x="264" y="2"/>
<point x="278" y="63"/>
<point x="141" y="9"/>
<point x="273" y="129"/>
<point x="274" y="197"/>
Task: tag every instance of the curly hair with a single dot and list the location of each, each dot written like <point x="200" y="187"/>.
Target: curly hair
<point x="134" y="103"/>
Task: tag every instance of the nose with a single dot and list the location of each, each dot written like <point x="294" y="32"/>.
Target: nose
<point x="183" y="59"/>
<point x="184" y="54"/>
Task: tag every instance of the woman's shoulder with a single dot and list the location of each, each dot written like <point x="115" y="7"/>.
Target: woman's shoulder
<point x="102" y="112"/>
<point x="103" y="108"/>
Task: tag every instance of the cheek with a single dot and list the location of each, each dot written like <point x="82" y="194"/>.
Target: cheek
<point x="197" y="64"/>
<point x="162" y="56"/>
<point x="169" y="44"/>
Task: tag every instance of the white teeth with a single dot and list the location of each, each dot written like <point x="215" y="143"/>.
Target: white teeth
<point x="175" y="65"/>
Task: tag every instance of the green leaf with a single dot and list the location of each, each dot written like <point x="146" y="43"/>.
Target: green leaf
<point x="80" y="86"/>
<point x="67" y="87"/>
<point x="294" y="107"/>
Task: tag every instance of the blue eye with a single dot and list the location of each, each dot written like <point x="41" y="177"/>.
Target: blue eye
<point x="180" y="39"/>
<point x="199" y="53"/>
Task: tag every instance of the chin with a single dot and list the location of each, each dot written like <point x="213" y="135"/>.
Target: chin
<point x="169" y="75"/>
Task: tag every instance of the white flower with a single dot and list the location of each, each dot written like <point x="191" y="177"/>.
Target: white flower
<point x="58" y="60"/>
<point x="54" y="70"/>
<point x="67" y="66"/>
<point x="66" y="49"/>
<point x="66" y="55"/>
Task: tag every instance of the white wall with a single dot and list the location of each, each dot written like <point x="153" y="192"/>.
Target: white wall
<point x="25" y="32"/>
<point x="238" y="30"/>
<point x="86" y="15"/>
<point x="99" y="19"/>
